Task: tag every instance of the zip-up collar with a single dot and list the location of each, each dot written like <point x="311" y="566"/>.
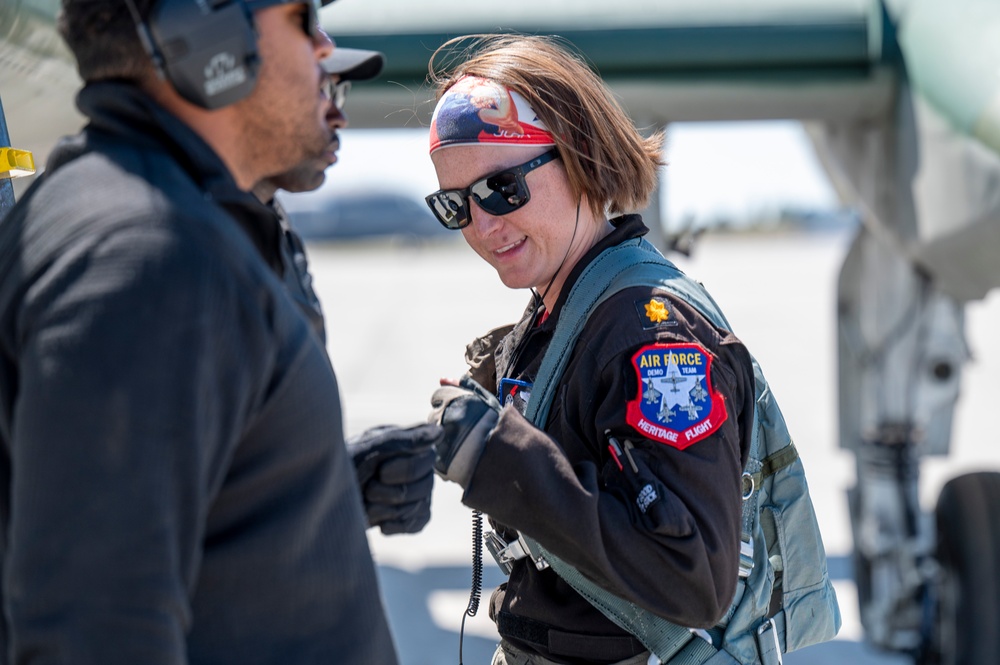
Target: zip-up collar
<point x="120" y="111"/>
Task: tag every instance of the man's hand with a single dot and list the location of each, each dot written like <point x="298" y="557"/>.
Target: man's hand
<point x="466" y="413"/>
<point x="395" y="472"/>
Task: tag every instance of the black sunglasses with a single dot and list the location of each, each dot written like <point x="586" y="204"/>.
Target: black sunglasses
<point x="311" y="25"/>
<point x="498" y="194"/>
<point x="310" y="19"/>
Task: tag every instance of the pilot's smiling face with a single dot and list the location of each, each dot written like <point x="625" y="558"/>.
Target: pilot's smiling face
<point x="526" y="246"/>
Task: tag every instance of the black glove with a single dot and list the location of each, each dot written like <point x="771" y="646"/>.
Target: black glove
<point x="394" y="466"/>
<point x="467" y="413"/>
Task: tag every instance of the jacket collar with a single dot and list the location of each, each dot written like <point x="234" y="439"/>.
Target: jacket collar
<point x="121" y="111"/>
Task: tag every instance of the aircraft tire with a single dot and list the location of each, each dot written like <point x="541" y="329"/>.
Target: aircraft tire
<point x="968" y="551"/>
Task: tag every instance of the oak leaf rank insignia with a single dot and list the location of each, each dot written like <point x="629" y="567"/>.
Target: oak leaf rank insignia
<point x="654" y="312"/>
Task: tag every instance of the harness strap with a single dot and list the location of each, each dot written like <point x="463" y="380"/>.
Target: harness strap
<point x="770" y="636"/>
<point x="770" y="639"/>
<point x="695" y="652"/>
<point x="635" y="263"/>
<point x="587" y="293"/>
<point x="775" y="462"/>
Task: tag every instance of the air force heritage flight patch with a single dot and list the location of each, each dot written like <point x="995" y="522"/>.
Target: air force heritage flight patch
<point x="676" y="404"/>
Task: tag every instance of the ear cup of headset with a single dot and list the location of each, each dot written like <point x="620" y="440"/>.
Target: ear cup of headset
<point x="208" y="53"/>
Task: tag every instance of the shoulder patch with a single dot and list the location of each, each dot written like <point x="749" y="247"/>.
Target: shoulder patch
<point x="654" y="312"/>
<point x="676" y="403"/>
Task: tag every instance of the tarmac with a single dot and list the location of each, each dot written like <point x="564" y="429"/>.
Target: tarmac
<point x="399" y="317"/>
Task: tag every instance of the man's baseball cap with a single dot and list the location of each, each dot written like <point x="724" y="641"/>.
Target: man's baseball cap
<point x="353" y="64"/>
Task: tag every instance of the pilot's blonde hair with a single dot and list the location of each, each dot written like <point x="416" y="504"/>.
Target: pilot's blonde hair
<point x="603" y="153"/>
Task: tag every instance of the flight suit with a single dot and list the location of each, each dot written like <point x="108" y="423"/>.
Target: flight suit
<point x="652" y="516"/>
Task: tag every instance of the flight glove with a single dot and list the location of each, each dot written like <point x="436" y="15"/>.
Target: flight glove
<point x="466" y="413"/>
<point x="394" y="466"/>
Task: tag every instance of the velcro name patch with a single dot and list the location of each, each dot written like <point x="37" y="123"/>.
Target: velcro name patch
<point x="676" y="403"/>
<point x="516" y="392"/>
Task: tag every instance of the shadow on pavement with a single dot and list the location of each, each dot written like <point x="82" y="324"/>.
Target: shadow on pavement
<point x="421" y="641"/>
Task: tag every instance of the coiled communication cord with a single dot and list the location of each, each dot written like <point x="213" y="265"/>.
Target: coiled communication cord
<point x="477" y="576"/>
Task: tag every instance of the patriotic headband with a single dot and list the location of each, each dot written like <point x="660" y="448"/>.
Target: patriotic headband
<point x="479" y="111"/>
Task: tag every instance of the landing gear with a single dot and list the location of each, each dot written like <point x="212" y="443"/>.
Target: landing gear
<point x="968" y="552"/>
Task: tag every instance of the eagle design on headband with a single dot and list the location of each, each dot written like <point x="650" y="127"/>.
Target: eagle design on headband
<point x="476" y="110"/>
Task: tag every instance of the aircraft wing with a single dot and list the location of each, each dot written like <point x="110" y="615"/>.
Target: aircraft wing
<point x="952" y="54"/>
<point x="695" y="60"/>
<point x="669" y="61"/>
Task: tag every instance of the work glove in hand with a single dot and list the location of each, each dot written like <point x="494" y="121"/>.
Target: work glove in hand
<point x="395" y="468"/>
<point x="466" y="413"/>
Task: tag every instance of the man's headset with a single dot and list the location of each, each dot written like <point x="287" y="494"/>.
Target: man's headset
<point x="206" y="49"/>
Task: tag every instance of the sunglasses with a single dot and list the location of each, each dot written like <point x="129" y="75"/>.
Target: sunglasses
<point x="311" y="20"/>
<point x="498" y="194"/>
<point x="336" y="92"/>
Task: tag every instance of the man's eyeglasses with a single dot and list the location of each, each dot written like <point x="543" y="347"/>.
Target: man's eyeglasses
<point x="498" y="194"/>
<point x="336" y="91"/>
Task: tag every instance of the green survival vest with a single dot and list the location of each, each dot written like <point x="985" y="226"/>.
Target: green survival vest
<point x="784" y="599"/>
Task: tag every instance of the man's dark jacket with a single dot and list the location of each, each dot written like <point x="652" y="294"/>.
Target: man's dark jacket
<point x="173" y="484"/>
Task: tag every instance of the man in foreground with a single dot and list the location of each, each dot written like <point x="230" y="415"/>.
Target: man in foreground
<point x="170" y="493"/>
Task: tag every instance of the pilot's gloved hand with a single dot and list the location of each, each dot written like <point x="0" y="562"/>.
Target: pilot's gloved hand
<point x="395" y="467"/>
<point x="467" y="413"/>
